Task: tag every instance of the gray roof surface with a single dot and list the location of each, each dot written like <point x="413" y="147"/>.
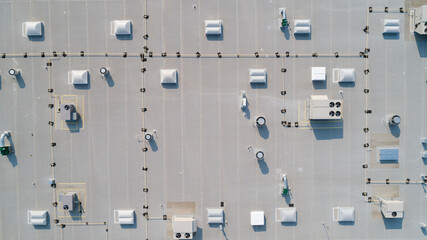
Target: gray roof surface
<point x="201" y="152"/>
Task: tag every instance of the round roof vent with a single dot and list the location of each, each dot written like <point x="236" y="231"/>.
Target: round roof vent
<point x="259" y="155"/>
<point x="260" y="121"/>
<point x="103" y="70"/>
<point x="395" y="120"/>
<point x="148" y="137"/>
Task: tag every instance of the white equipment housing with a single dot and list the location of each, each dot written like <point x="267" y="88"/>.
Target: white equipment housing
<point x="323" y="108"/>
<point x="183" y="227"/>
<point x="213" y="27"/>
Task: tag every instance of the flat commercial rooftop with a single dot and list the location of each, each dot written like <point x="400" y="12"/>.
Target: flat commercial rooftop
<point x="204" y="140"/>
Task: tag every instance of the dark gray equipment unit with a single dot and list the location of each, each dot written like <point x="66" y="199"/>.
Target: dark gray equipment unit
<point x="68" y="112"/>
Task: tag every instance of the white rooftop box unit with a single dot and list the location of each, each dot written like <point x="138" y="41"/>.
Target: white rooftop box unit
<point x="257" y="218"/>
<point x="318" y="74"/>
<point x="213" y="27"/>
<point x="215" y="215"/>
<point x="286" y="214"/>
<point x="323" y="108"/>
<point x="343" y="75"/>
<point x="392" y="208"/>
<point x="343" y="214"/>
<point x="302" y="26"/>
<point x="168" y="76"/>
<point x="424" y="155"/>
<point x="183" y="227"/>
<point x="391" y="26"/>
<point x="37" y="218"/>
<point x="424" y="140"/>
<point x="32" y="29"/>
<point x="124" y="217"/>
<point x="121" y="27"/>
<point x="257" y="76"/>
<point x="78" y="77"/>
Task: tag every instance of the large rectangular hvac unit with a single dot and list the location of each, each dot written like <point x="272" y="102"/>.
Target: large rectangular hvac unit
<point x="183" y="227"/>
<point x="418" y="20"/>
<point x="323" y="108"/>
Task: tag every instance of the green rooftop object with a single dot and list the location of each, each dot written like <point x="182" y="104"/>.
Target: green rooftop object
<point x="4" y="151"/>
<point x="284" y="22"/>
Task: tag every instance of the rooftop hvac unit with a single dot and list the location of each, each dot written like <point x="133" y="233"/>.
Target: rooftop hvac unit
<point x="343" y="214"/>
<point x="257" y="76"/>
<point x="121" y="27"/>
<point x="302" y="26"/>
<point x="37" y="218"/>
<point x="391" y="208"/>
<point x="69" y="201"/>
<point x="124" y="217"/>
<point x="286" y="214"/>
<point x="183" y="227"/>
<point x="32" y="29"/>
<point x="418" y="18"/>
<point x="68" y="112"/>
<point x="343" y="75"/>
<point x="323" y="108"/>
<point x="215" y="216"/>
<point x="78" y="77"/>
<point x="391" y="26"/>
<point x="213" y="27"/>
<point x="168" y="76"/>
<point x="257" y="218"/>
<point x="318" y="74"/>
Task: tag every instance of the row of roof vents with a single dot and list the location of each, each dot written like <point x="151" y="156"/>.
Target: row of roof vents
<point x="170" y="76"/>
<point x="118" y="28"/>
<point x="212" y="27"/>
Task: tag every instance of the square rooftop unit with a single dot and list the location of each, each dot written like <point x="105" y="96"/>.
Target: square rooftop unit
<point x="343" y="214"/>
<point x="391" y="26"/>
<point x="78" y="77"/>
<point x="213" y="27"/>
<point x="392" y="208"/>
<point x="257" y="218"/>
<point x="286" y="214"/>
<point x="215" y="215"/>
<point x="183" y="227"/>
<point x="168" y="76"/>
<point x="318" y="74"/>
<point x="343" y="75"/>
<point x="37" y="218"/>
<point x="122" y="27"/>
<point x="302" y="26"/>
<point x="257" y="76"/>
<point x="124" y="217"/>
<point x="32" y="29"/>
<point x="389" y="154"/>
